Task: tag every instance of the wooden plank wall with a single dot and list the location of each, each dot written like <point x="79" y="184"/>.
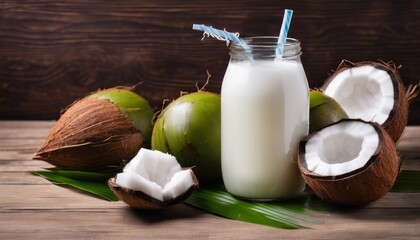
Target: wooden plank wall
<point x="53" y="52"/>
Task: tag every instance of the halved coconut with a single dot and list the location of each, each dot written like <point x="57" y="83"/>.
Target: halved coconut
<point x="153" y="180"/>
<point x="351" y="162"/>
<point x="370" y="91"/>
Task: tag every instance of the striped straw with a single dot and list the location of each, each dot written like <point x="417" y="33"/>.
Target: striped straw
<point x="219" y="34"/>
<point x="225" y="36"/>
<point x="287" y="18"/>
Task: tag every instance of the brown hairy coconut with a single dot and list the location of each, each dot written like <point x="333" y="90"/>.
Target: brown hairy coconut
<point x="351" y="162"/>
<point x="98" y="131"/>
<point x="372" y="91"/>
<point x="91" y="134"/>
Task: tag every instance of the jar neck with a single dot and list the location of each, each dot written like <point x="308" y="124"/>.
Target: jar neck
<point x="264" y="48"/>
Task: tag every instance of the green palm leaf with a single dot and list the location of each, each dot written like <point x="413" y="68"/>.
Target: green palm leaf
<point x="300" y="212"/>
<point x="94" y="183"/>
<point x="290" y="214"/>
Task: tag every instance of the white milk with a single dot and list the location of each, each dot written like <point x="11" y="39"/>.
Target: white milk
<point x="265" y="113"/>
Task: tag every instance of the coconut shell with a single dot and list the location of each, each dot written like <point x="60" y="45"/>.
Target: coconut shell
<point x="362" y="186"/>
<point x="135" y="199"/>
<point x="135" y="106"/>
<point x="91" y="134"/>
<point x="398" y="116"/>
<point x="140" y="200"/>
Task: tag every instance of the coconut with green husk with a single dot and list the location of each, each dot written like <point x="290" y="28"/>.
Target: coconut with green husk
<point x="372" y="91"/>
<point x="101" y="130"/>
<point x="351" y="162"/>
<point x="323" y="111"/>
<point x="189" y="129"/>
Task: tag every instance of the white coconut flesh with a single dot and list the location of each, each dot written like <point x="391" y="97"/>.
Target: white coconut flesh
<point x="156" y="174"/>
<point x="364" y="92"/>
<point x="341" y="148"/>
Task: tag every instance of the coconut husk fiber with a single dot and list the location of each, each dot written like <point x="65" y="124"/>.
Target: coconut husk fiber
<point x="92" y="134"/>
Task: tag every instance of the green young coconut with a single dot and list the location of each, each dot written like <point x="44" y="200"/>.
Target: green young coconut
<point x="189" y="129"/>
<point x="324" y="111"/>
<point x="136" y="107"/>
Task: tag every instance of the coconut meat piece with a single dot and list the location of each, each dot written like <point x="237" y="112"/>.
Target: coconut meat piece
<point x="364" y="92"/>
<point x="139" y="183"/>
<point x="180" y="183"/>
<point x="341" y="148"/>
<point x="156" y="166"/>
<point x="156" y="174"/>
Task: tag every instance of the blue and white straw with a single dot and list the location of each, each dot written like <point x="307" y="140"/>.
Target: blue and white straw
<point x="219" y="34"/>
<point x="226" y="36"/>
<point x="287" y="18"/>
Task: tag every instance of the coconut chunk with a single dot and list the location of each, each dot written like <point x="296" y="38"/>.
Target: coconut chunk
<point x="340" y="149"/>
<point x="179" y="184"/>
<point x="157" y="175"/>
<point x="139" y="183"/>
<point x="156" y="166"/>
<point x="135" y="165"/>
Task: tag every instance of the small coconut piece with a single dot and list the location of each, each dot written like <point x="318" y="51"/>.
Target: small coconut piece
<point x="153" y="180"/>
<point x="372" y="91"/>
<point x="351" y="162"/>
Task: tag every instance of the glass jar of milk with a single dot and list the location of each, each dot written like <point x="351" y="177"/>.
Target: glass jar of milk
<point x="265" y="113"/>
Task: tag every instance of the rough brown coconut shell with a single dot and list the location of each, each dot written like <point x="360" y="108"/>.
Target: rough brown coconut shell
<point x="398" y="117"/>
<point x="91" y="134"/>
<point x="140" y="200"/>
<point x="361" y="186"/>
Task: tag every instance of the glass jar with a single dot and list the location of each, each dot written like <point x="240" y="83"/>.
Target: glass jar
<point x="265" y="113"/>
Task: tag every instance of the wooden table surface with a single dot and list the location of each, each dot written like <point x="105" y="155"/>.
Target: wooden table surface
<point x="33" y="208"/>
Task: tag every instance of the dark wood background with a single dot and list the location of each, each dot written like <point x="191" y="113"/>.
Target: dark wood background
<point x="53" y="52"/>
